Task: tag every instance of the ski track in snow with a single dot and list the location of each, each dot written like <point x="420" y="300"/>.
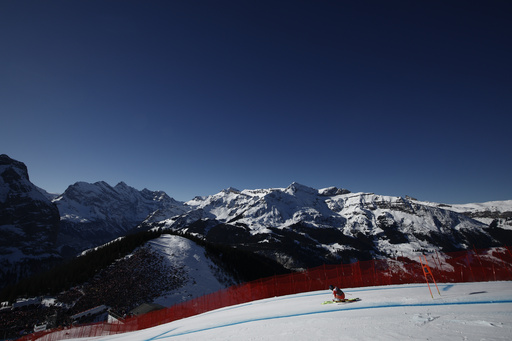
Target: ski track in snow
<point x="323" y="311"/>
<point x="164" y="336"/>
<point x="468" y="311"/>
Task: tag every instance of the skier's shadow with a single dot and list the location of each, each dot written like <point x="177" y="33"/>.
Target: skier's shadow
<point x="447" y="287"/>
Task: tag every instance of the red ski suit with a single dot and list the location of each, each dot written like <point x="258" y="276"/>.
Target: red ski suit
<point x="338" y="293"/>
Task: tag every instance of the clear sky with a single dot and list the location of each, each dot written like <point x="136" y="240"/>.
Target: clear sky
<point x="194" y="96"/>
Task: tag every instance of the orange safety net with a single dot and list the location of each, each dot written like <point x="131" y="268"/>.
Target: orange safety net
<point x="465" y="266"/>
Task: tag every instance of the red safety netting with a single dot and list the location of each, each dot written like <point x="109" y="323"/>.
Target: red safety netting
<point x="465" y="266"/>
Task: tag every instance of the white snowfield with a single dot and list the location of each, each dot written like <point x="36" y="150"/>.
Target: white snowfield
<point x="463" y="311"/>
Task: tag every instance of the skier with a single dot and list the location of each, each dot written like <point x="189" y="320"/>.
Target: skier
<point x="339" y="295"/>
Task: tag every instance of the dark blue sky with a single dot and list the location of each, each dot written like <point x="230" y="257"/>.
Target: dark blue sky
<point x="190" y="97"/>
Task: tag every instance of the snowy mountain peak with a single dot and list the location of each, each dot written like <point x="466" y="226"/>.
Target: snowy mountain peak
<point x="15" y="182"/>
<point x="296" y="187"/>
<point x="230" y="190"/>
<point x="121" y="184"/>
<point x="19" y="167"/>
<point x="332" y="191"/>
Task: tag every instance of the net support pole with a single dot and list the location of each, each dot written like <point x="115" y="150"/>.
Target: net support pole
<point x="427" y="272"/>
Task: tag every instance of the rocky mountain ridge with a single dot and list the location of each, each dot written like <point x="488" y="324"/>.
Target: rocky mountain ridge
<point x="39" y="229"/>
<point x="298" y="226"/>
<point x="301" y="227"/>
<point x="93" y="214"/>
<point x="29" y="223"/>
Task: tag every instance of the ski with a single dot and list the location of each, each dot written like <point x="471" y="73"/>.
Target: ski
<point x="346" y="300"/>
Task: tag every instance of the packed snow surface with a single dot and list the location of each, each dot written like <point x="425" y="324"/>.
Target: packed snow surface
<point x="462" y="311"/>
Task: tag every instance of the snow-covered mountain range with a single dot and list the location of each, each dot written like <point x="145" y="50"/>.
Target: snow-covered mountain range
<point x="298" y="226"/>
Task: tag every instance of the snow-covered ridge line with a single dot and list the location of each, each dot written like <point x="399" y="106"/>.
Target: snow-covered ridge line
<point x="493" y="206"/>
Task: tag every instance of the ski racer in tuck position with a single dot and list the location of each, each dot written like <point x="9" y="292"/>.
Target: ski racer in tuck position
<point x="338" y="294"/>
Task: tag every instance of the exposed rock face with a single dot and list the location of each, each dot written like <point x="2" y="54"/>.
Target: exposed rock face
<point x="29" y="223"/>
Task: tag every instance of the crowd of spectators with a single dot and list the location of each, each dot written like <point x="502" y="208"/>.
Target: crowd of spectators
<point x="21" y="321"/>
<point x="129" y="282"/>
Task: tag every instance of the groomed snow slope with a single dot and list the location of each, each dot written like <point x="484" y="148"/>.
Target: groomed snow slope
<point x="463" y="311"/>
